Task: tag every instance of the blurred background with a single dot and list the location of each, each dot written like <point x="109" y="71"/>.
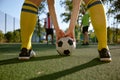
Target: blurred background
<point x="10" y="21"/>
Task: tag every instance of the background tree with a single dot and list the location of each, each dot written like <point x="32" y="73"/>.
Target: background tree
<point x="112" y="9"/>
<point x="38" y="28"/>
<point x="16" y="36"/>
<point x="68" y="8"/>
<point x="9" y="37"/>
<point x="67" y="14"/>
<point x="1" y="36"/>
<point x="110" y="35"/>
<point x="116" y="5"/>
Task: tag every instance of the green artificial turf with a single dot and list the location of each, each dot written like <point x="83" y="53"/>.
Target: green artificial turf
<point x="83" y="64"/>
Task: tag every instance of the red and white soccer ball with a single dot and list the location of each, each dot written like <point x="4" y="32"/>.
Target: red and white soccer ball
<point x="65" y="46"/>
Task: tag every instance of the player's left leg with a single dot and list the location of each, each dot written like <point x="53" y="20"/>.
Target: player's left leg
<point x="47" y="38"/>
<point x="52" y="36"/>
<point x="86" y="37"/>
<point x="98" y="19"/>
<point x="27" y="23"/>
<point x="47" y="33"/>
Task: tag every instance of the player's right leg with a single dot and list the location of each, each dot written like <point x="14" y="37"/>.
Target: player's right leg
<point x="98" y="19"/>
<point x="28" y="20"/>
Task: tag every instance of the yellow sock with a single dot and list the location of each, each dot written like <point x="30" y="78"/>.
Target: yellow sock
<point x="98" y="19"/>
<point x="27" y="22"/>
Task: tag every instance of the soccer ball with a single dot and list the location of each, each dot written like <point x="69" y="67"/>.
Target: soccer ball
<point x="65" y="46"/>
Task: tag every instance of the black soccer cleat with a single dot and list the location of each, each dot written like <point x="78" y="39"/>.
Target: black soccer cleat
<point x="105" y="55"/>
<point x="26" y="54"/>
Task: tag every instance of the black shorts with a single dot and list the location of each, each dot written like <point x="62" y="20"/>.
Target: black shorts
<point x="49" y="31"/>
<point x="85" y="29"/>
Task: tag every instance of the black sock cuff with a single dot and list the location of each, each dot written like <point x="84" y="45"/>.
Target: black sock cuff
<point x="33" y="9"/>
<point x="93" y="4"/>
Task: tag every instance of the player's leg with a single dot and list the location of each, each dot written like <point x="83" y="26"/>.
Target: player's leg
<point x="98" y="19"/>
<point x="59" y="33"/>
<point x="47" y="38"/>
<point x="47" y="33"/>
<point x="83" y="31"/>
<point x="86" y="41"/>
<point x="27" y="23"/>
<point x="86" y="37"/>
<point x="52" y="36"/>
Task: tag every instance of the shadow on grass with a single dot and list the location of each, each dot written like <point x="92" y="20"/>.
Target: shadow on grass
<point x="59" y="74"/>
<point x="15" y="60"/>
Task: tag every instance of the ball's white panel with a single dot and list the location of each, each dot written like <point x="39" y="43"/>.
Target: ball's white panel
<point x="65" y="46"/>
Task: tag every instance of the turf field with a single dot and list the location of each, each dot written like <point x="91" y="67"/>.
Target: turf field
<point x="83" y="64"/>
